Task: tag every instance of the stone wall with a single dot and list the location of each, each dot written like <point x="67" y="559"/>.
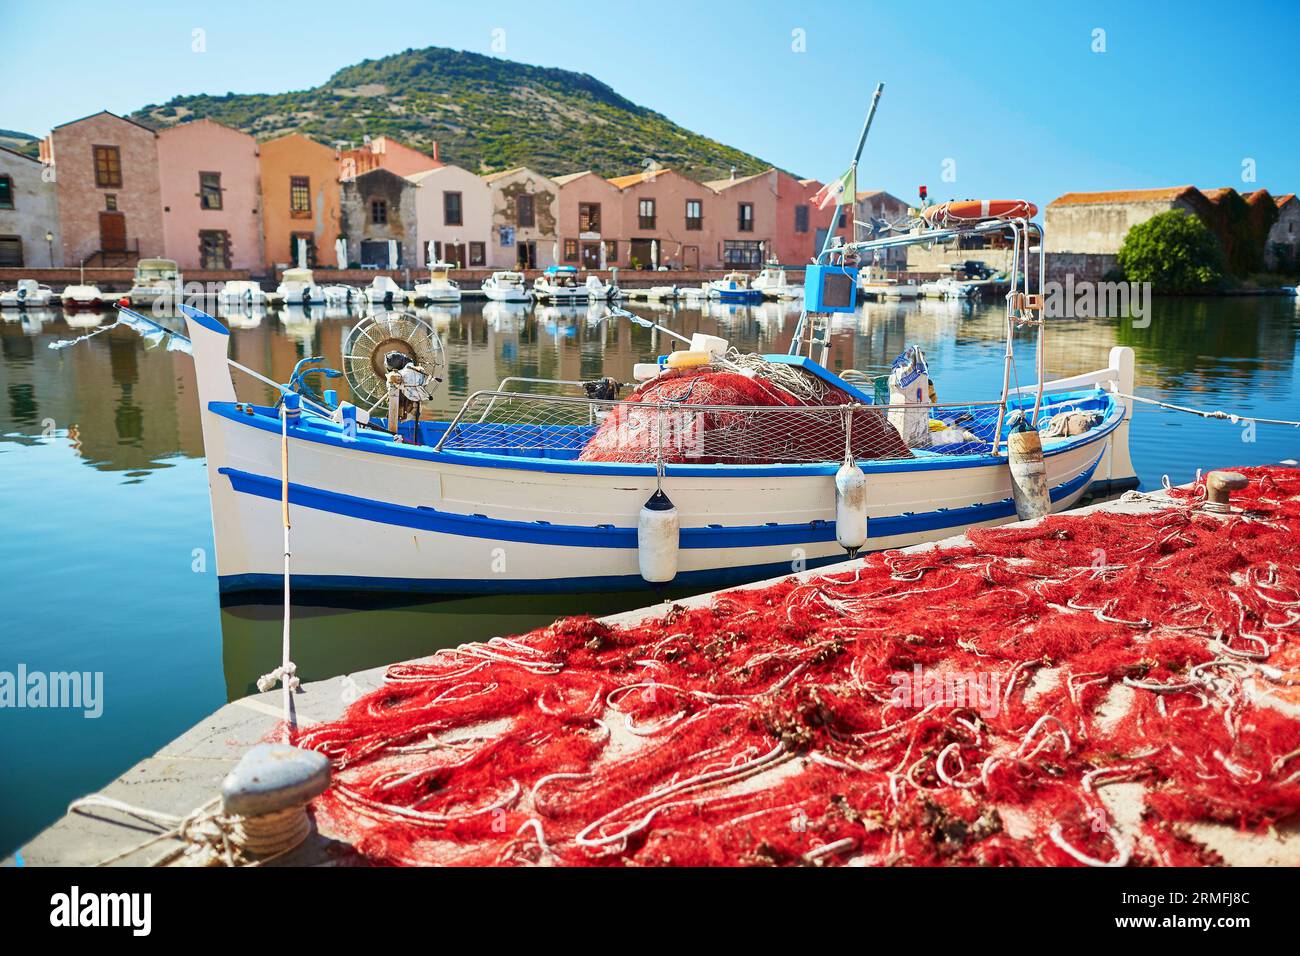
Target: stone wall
<point x="35" y="210"/>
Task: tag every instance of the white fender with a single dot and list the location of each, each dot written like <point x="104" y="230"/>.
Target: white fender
<point x="850" y="507"/>
<point x="658" y="531"/>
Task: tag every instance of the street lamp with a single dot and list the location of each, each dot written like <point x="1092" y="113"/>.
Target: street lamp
<point x="49" y="242"/>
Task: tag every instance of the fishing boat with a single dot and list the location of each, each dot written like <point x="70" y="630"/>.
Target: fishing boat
<point x="81" y="297"/>
<point x="773" y="283"/>
<point x="506" y="287"/>
<point x="156" y="280"/>
<point x="559" y="284"/>
<point x="28" y="294"/>
<point x="241" y="292"/>
<point x="715" y="468"/>
<point x="298" y="287"/>
<point x="384" y="291"/>
<point x="440" y="287"/>
<point x="733" y="287"/>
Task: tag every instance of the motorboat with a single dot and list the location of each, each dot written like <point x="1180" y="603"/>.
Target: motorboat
<point x="156" y="281"/>
<point x="298" y="287"/>
<point x="440" y="287"/>
<point x="384" y="291"/>
<point x="600" y="291"/>
<point x="28" y="294"/>
<point x="506" y="287"/>
<point x="947" y="287"/>
<point x="81" y="297"/>
<point x="773" y="283"/>
<point x="241" y="292"/>
<point x="559" y="284"/>
<point x="875" y="286"/>
<point x="734" y="287"/>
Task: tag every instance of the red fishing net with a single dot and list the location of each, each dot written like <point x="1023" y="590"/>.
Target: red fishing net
<point x="1083" y="691"/>
<point x="771" y="424"/>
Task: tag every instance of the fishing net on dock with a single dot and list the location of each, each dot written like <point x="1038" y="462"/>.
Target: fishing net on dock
<point x="748" y="420"/>
<point x="1101" y="689"/>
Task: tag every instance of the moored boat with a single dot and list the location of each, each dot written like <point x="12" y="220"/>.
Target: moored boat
<point x="384" y="291"/>
<point x="439" y="287"/>
<point x="27" y="294"/>
<point x="298" y="287"/>
<point x="81" y="297"/>
<point x="559" y="284"/>
<point x="733" y="287"/>
<point x="156" y="280"/>
<point x="773" y="283"/>
<point x="241" y="292"/>
<point x="506" y="287"/>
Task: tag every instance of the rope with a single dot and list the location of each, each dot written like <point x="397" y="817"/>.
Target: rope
<point x="1230" y="416"/>
<point x="207" y="836"/>
<point x="286" y="674"/>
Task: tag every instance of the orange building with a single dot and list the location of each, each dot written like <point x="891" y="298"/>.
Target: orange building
<point x="300" y="200"/>
<point x="384" y="152"/>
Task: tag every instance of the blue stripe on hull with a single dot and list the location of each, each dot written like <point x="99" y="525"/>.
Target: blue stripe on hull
<point x="427" y="519"/>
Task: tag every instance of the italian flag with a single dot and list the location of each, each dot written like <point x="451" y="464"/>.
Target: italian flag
<point x="839" y="193"/>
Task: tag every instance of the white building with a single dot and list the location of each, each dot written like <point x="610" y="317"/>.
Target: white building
<point x="453" y="211"/>
<point x="29" y="213"/>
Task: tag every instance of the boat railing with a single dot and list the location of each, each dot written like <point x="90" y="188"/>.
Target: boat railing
<point x="529" y="424"/>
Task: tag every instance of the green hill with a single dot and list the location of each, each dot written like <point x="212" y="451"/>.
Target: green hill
<point x="485" y="114"/>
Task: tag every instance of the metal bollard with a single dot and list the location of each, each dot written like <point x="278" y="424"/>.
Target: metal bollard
<point x="1219" y="486"/>
<point x="264" y="799"/>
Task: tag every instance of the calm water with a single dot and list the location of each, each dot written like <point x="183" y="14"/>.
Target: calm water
<point x="104" y="503"/>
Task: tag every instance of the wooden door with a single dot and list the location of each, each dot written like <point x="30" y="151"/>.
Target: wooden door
<point x="112" y="231"/>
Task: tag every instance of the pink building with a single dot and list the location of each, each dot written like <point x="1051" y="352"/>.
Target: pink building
<point x="745" y="223"/>
<point x="384" y="152"/>
<point x="800" y="226"/>
<point x="591" y="215"/>
<point x="211" y="196"/>
<point x="110" y="209"/>
<point x="668" y="220"/>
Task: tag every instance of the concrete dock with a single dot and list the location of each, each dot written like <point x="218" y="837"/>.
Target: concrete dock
<point x="187" y="773"/>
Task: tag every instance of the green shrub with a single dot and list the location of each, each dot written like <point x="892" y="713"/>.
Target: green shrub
<point x="1173" y="251"/>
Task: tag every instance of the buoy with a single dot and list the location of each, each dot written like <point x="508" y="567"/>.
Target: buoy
<point x="850" y="507"/>
<point x="715" y="347"/>
<point x="644" y="371"/>
<point x="657" y="533"/>
<point x="1028" y="475"/>
<point x="684" y="358"/>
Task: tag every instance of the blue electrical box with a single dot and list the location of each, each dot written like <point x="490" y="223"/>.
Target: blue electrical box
<point x="830" y="288"/>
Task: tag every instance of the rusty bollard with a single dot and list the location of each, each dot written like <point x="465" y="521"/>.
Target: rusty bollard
<point x="1219" y="486"/>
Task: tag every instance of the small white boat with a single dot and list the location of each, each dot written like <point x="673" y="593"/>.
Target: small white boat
<point x="298" y="287"/>
<point x="879" y="287"/>
<point x="506" y="287"/>
<point x="773" y="283"/>
<point x="440" y="287"/>
<point x="81" y="297"/>
<point x="384" y="291"/>
<point x="947" y="287"/>
<point x="29" y="294"/>
<point x="156" y="280"/>
<point x="559" y="284"/>
<point x="734" y="287"/>
<point x="601" y="291"/>
<point x="241" y="292"/>
<point x="344" y="296"/>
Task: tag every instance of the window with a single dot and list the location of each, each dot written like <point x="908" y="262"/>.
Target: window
<point x="694" y="215"/>
<point x="300" y="197"/>
<point x="451" y="211"/>
<point x="611" y="250"/>
<point x="108" y="167"/>
<point x="209" y="190"/>
<point x="6" y="192"/>
<point x="588" y="217"/>
<point x="746" y="217"/>
<point x="110" y="202"/>
<point x="646" y="214"/>
<point x="214" y="249"/>
<point x="844" y="217"/>
<point x="525" y="215"/>
<point x="742" y="252"/>
<point x="11" y="251"/>
<point x="801" y="217"/>
<point x="379" y="212"/>
<point x="477" y="254"/>
<point x="310" y="239"/>
<point x="570" y="250"/>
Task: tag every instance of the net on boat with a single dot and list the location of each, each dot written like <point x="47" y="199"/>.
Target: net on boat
<point x="1081" y="691"/>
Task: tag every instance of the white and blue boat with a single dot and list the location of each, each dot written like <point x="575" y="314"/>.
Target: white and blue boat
<point x="734" y="287"/>
<point x="559" y="284"/>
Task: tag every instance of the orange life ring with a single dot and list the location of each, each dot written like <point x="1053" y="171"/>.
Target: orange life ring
<point x="979" y="210"/>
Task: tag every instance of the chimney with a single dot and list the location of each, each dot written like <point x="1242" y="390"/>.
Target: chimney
<point x="733" y="173"/>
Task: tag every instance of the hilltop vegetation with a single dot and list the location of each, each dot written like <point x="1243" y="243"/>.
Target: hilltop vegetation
<point x="485" y="113"/>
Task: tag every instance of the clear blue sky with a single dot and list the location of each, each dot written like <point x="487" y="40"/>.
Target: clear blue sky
<point x="1183" y="94"/>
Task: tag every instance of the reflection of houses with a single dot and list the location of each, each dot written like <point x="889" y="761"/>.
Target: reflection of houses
<point x="29" y="213"/>
<point x="453" y="211"/>
<point x="384" y="152"/>
<point x="525" y="213"/>
<point x="110" y="209"/>
<point x="208" y="175"/>
<point x="378" y="207"/>
<point x="300" y="200"/>
<point x="591" y="213"/>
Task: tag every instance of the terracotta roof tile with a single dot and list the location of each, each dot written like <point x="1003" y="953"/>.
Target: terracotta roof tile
<point x="1123" y="196"/>
<point x="622" y="182"/>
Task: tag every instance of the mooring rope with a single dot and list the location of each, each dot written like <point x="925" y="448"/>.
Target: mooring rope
<point x="1229" y="416"/>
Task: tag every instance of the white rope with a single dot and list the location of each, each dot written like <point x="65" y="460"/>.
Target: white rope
<point x="1229" y="416"/>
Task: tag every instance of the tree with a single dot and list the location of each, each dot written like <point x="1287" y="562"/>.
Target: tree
<point x="1173" y="251"/>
